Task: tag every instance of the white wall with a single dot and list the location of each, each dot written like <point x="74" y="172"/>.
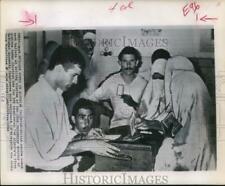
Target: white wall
<point x="53" y="36"/>
<point x="178" y="41"/>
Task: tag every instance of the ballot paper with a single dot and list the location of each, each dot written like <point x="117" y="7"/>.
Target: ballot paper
<point x="120" y="89"/>
<point x="111" y="137"/>
<point x="132" y="124"/>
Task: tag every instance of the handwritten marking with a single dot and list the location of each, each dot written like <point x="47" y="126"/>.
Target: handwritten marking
<point x="121" y="6"/>
<point x="29" y="18"/>
<point x="205" y="18"/>
<point x="188" y="7"/>
<point x="194" y="8"/>
<point x="113" y="8"/>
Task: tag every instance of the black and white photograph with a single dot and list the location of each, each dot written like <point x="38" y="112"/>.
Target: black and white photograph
<point x="120" y="99"/>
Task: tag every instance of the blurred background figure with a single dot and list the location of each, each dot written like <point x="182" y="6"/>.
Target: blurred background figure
<point x="48" y="51"/>
<point x="89" y="41"/>
<point x="88" y="46"/>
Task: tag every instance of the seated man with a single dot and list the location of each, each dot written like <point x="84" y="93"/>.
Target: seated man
<point x="120" y="86"/>
<point x="82" y="121"/>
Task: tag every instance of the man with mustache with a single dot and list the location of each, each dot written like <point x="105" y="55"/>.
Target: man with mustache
<point x="121" y="85"/>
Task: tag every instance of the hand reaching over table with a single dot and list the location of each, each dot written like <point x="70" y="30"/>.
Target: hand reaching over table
<point x="169" y="126"/>
<point x="129" y="101"/>
<point x="98" y="147"/>
<point x="102" y="148"/>
<point x="144" y="126"/>
<point x="148" y="124"/>
<point x="95" y="133"/>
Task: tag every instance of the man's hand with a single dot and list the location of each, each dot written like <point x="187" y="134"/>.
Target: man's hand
<point x="102" y="148"/>
<point x="142" y="125"/>
<point x="95" y="133"/>
<point x="129" y="101"/>
<point x="99" y="147"/>
<point x="147" y="125"/>
<point x="139" y="122"/>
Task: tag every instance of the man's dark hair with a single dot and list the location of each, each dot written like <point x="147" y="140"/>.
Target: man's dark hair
<point x="130" y="50"/>
<point x="134" y="51"/>
<point x="160" y="54"/>
<point x="82" y="103"/>
<point x="66" y="55"/>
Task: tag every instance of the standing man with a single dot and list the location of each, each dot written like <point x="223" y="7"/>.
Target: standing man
<point x="121" y="86"/>
<point x="87" y="81"/>
<point x="48" y="134"/>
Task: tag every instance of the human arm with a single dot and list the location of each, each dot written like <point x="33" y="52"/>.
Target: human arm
<point x="168" y="126"/>
<point x="101" y="93"/>
<point x="101" y="108"/>
<point x="40" y="133"/>
<point x="129" y="101"/>
<point x="98" y="147"/>
<point x="95" y="133"/>
<point x="48" y="130"/>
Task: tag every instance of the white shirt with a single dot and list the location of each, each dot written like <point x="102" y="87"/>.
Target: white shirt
<point x="111" y="89"/>
<point x="47" y="128"/>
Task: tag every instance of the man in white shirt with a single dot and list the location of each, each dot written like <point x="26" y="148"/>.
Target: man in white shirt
<point x="48" y="134"/>
<point x="120" y="86"/>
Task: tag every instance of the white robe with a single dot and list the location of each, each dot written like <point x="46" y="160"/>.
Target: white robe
<point x="191" y="104"/>
<point x="153" y="99"/>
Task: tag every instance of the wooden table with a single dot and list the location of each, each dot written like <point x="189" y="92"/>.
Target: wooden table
<point x="142" y="159"/>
